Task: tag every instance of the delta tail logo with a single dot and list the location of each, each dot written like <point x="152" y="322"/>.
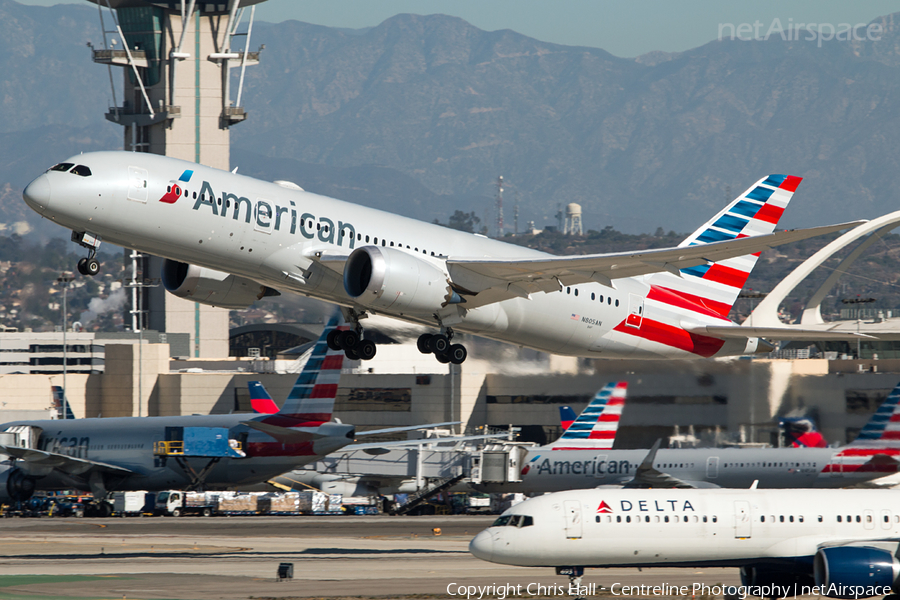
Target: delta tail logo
<point x="604" y="507"/>
<point x="175" y="190"/>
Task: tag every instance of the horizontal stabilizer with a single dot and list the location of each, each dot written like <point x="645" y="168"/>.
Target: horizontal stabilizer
<point x="283" y="434"/>
<point x="409" y="428"/>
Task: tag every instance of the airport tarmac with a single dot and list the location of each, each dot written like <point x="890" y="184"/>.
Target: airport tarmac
<point x="233" y="558"/>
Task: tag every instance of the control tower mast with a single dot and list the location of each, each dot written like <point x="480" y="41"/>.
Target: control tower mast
<point x="177" y="100"/>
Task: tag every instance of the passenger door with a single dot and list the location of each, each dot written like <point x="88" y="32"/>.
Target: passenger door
<point x="635" y="310"/>
<point x="742" y="519"/>
<point x="573" y="519"/>
<point x="712" y="467"/>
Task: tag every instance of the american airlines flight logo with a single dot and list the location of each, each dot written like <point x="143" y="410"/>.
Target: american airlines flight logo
<point x="269" y="215"/>
<point x="175" y="190"/>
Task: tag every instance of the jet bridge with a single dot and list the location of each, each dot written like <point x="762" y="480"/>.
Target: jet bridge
<point x="498" y="463"/>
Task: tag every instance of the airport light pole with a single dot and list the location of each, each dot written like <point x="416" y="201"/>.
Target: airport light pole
<point x="65" y="278"/>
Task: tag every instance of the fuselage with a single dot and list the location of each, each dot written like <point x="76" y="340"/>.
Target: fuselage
<point x="549" y="470"/>
<point x="270" y="233"/>
<point x="615" y="528"/>
<point x="129" y="442"/>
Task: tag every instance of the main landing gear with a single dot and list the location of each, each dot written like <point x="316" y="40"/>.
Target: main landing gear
<point x="351" y="342"/>
<point x="90" y="265"/>
<point x="439" y="345"/>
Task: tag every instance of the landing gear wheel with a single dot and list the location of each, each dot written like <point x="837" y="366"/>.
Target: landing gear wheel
<point x="348" y="340"/>
<point x="92" y="266"/>
<point x="351" y="354"/>
<point x="424" y="343"/>
<point x="457" y="354"/>
<point x="366" y="350"/>
<point x="442" y="358"/>
<point x="439" y="344"/>
<point x="333" y="339"/>
<point x="82" y="266"/>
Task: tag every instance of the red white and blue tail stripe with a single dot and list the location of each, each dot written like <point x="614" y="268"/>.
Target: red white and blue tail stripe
<point x="885" y="423"/>
<point x="596" y="426"/>
<point x="716" y="286"/>
<point x="313" y="394"/>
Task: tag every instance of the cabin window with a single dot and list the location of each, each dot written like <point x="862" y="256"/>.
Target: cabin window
<point x="382" y="242"/>
<point x="568" y="290"/>
<point x="666" y="518"/>
<point x="704" y="518"/>
<point x="886" y="519"/>
<point x="617" y="302"/>
<point x="839" y="518"/>
<point x="858" y="519"/>
<point x="597" y="518"/>
<point x="791" y="518"/>
<point x="781" y="519"/>
<point x="800" y="518"/>
<point x="601" y="297"/>
<point x="609" y="301"/>
<point x="593" y="296"/>
<point x="628" y="519"/>
<point x="762" y="519"/>
<point x="715" y="519"/>
<point x="618" y="519"/>
<point x="868" y="518"/>
<point x="685" y="518"/>
<point x="820" y="518"/>
<point x="367" y="239"/>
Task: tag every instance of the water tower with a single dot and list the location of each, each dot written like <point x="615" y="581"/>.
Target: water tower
<point x="573" y="220"/>
<point x="177" y="100"/>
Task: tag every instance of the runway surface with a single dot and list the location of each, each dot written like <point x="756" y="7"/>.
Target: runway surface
<point x="237" y="557"/>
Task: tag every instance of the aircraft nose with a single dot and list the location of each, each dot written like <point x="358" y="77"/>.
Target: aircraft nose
<point x="37" y="193"/>
<point x="482" y="546"/>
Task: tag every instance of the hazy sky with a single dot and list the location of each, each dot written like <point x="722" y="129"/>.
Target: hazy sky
<point x="623" y="27"/>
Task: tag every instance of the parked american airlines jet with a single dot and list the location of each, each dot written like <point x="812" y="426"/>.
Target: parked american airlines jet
<point x="874" y="454"/>
<point x="835" y="543"/>
<point x="230" y="240"/>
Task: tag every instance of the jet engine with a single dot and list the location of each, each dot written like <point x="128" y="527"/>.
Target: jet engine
<point x="208" y="286"/>
<point x="15" y="486"/>
<point x="391" y="279"/>
<point x="855" y="570"/>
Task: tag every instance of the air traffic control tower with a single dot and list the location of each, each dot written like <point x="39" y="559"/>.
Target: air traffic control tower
<point x="179" y="60"/>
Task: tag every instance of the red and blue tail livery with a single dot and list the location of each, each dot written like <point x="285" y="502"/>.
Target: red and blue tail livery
<point x="598" y="423"/>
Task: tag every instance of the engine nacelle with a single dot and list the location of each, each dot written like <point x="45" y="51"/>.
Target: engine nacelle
<point x="15" y="486"/>
<point x="391" y="279"/>
<point x="208" y="286"/>
<point x="855" y="571"/>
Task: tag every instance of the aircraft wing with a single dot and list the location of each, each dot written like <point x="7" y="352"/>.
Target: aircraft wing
<point x="42" y="462"/>
<point x="776" y="333"/>
<point x="484" y="281"/>
<point x="647" y="476"/>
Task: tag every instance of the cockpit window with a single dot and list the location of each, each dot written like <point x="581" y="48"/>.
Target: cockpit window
<point x="501" y="521"/>
<point x="62" y="167"/>
<point x="514" y="521"/>
<point x="81" y="170"/>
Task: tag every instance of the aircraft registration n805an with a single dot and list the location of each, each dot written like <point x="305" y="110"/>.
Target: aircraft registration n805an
<point x="230" y="240"/>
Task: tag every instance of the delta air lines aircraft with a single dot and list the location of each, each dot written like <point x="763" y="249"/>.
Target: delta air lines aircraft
<point x="229" y="240"/>
<point x="787" y="543"/>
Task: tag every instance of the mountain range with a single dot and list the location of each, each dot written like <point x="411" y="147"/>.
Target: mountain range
<point x="420" y="114"/>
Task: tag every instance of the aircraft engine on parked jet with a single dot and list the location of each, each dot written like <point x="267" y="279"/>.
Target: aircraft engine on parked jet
<point x="388" y="278"/>
<point x="208" y="286"/>
<point x="15" y="486"/>
<point x="855" y="567"/>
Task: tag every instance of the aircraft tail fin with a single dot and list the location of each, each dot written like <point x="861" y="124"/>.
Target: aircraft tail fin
<point x="598" y="423"/>
<point x="567" y="416"/>
<point x="260" y="399"/>
<point x="715" y="286"/>
<point x="313" y="394"/>
<point x="61" y="403"/>
<point x="885" y="423"/>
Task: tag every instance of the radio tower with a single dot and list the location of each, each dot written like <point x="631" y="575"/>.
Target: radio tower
<point x="500" y="206"/>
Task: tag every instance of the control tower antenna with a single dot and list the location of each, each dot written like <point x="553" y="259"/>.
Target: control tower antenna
<point x="500" y="206"/>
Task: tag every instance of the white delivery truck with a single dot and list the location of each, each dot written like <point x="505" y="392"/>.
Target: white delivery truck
<point x="177" y="503"/>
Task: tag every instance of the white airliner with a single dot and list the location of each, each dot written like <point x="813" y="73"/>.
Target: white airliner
<point x="835" y="543"/>
<point x="230" y="240"/>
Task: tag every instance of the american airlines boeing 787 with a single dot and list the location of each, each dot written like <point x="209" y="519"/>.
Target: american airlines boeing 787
<point x="230" y="240"/>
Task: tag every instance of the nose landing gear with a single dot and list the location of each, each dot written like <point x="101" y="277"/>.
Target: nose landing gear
<point x="90" y="265"/>
<point x="439" y="345"/>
